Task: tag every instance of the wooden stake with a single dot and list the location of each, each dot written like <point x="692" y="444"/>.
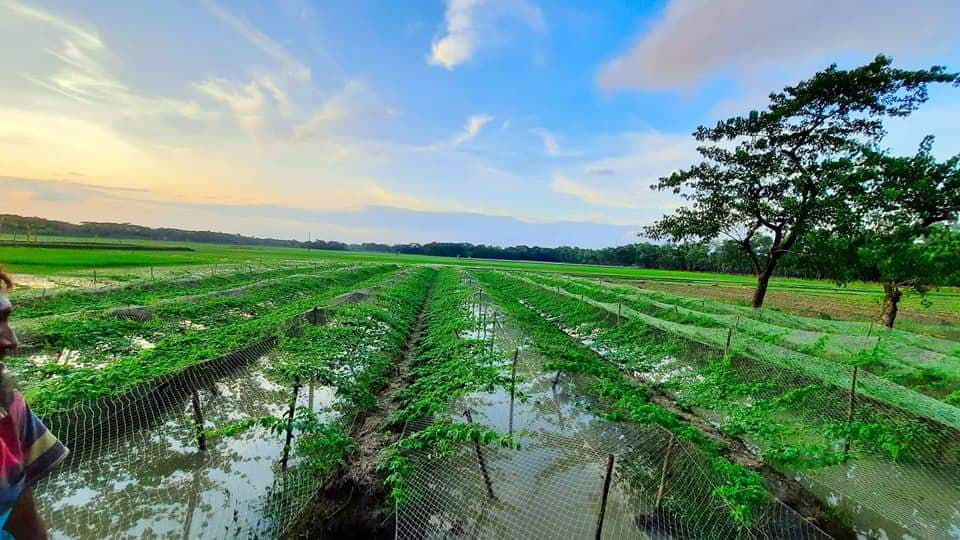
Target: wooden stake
<point x="726" y="349"/>
<point x="557" y="378"/>
<point x="290" y="412"/>
<point x="663" y="473"/>
<point x="198" y="421"/>
<point x="483" y="464"/>
<point x="513" y="386"/>
<point x="603" y="500"/>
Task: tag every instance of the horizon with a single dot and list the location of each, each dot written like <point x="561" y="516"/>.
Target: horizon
<point x="505" y="122"/>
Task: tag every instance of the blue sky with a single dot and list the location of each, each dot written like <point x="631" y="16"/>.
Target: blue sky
<point x="496" y="121"/>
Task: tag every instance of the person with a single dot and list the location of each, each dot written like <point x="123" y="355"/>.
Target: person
<point x="28" y="451"/>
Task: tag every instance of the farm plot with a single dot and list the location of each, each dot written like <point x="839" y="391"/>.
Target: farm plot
<point x="503" y="448"/>
<point x="922" y="363"/>
<point x="32" y="304"/>
<point x="55" y="387"/>
<point x="887" y="456"/>
<point x="238" y="448"/>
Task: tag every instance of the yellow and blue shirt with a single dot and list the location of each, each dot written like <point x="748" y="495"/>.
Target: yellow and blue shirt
<point x="28" y="452"/>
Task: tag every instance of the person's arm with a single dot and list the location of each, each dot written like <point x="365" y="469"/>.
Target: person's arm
<point x="25" y="522"/>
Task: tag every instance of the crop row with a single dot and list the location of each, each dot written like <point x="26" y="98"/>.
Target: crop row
<point x="143" y="292"/>
<point x="451" y="362"/>
<point x="797" y="423"/>
<point x="352" y="351"/>
<point x="100" y="336"/>
<point x="65" y="386"/>
<point x="923" y="363"/>
<point x="736" y="488"/>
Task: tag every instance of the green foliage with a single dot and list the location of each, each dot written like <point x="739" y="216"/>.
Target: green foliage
<point x="180" y="351"/>
<point x="442" y="437"/>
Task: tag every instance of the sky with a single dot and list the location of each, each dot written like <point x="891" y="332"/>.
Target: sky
<point x="487" y="121"/>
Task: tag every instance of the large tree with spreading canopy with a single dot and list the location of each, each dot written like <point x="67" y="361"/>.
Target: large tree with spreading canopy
<point x="786" y="171"/>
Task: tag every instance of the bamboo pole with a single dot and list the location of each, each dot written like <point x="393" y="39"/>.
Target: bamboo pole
<point x="663" y="474"/>
<point x="198" y="421"/>
<point x="290" y="413"/>
<point x="513" y="387"/>
<point x="603" y="500"/>
<point x="851" y="408"/>
<point x="483" y="464"/>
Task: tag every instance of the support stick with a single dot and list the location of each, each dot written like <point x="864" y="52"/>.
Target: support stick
<point x="293" y="406"/>
<point x="619" y="311"/>
<point x="663" y="474"/>
<point x="198" y="420"/>
<point x="513" y="387"/>
<point x="850" y="410"/>
<point x="603" y="500"/>
<point x="483" y="464"/>
<point x="726" y="349"/>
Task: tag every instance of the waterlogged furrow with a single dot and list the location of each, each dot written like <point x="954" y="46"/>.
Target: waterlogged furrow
<point x="739" y="490"/>
<point x="147" y="292"/>
<point x="69" y="386"/>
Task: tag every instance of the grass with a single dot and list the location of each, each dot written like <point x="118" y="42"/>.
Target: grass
<point x="803" y="296"/>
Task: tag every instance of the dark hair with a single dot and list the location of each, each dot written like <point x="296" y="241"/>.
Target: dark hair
<point x="6" y="282"/>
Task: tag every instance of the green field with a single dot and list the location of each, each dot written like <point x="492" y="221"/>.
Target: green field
<point x="80" y="267"/>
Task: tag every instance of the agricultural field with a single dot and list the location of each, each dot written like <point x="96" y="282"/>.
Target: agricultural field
<point x="251" y="392"/>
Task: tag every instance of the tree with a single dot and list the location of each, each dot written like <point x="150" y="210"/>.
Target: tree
<point x="905" y="206"/>
<point x="785" y="170"/>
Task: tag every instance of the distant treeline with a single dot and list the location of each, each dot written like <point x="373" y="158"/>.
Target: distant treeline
<point x="720" y="256"/>
<point x="13" y="227"/>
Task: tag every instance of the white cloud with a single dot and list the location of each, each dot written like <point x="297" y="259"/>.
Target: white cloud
<point x="245" y="100"/>
<point x="550" y="144"/>
<point x="474" y="124"/>
<point x="694" y="39"/>
<point x="474" y="24"/>
<point x="622" y="177"/>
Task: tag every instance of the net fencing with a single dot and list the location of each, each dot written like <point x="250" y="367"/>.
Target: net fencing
<point x="151" y="463"/>
<point x="574" y="475"/>
<point x="900" y="467"/>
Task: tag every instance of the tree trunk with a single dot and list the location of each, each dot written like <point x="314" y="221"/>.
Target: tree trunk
<point x="763" y="279"/>
<point x="891" y="301"/>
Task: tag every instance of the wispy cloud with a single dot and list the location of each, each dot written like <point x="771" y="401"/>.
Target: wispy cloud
<point x="355" y="101"/>
<point x="473" y="24"/>
<point x="82" y="75"/>
<point x="685" y="44"/>
<point x="82" y="37"/>
<point x="474" y="124"/>
<point x="261" y="41"/>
